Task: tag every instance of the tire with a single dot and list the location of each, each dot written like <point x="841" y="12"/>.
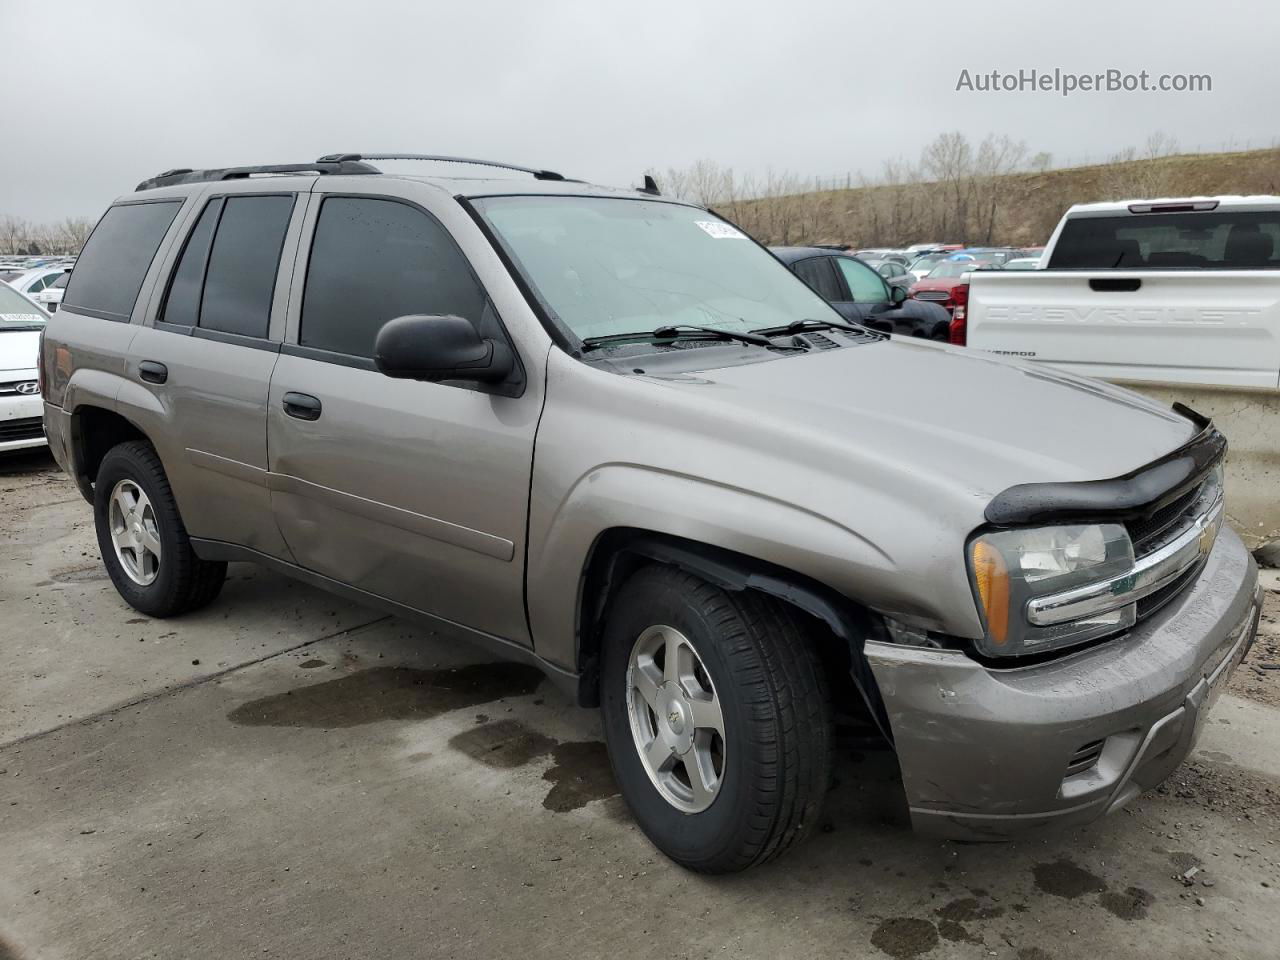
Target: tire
<point x="177" y="581"/>
<point x="760" y="666"/>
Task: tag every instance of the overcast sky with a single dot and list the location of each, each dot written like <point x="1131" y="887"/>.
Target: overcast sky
<point x="99" y="94"/>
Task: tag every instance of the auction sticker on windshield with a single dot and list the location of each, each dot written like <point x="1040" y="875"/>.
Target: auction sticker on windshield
<point x="721" y="230"/>
<point x="21" y="318"/>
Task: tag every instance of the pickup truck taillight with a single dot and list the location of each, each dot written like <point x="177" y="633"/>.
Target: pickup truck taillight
<point x="958" y="332"/>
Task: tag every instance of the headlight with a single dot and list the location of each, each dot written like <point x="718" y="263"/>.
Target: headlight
<point x="1011" y="568"/>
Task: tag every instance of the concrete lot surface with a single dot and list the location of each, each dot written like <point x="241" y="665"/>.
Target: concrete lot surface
<point x="285" y="774"/>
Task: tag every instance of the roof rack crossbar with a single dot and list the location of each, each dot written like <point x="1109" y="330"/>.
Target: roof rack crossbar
<point x="357" y="157"/>
<point x="323" y="167"/>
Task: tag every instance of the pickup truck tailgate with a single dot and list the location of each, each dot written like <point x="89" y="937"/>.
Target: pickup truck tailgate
<point x="1166" y="326"/>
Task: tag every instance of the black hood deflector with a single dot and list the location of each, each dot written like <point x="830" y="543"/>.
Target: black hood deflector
<point x="1120" y="498"/>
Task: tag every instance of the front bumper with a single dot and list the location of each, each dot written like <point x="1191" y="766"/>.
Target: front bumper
<point x="20" y="416"/>
<point x="985" y="752"/>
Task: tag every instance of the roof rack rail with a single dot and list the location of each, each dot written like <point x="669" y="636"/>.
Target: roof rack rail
<point x="357" y="157"/>
<point x="322" y="166"/>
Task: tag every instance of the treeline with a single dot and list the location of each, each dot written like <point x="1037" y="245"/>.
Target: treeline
<point x="24" y="238"/>
<point x="991" y="192"/>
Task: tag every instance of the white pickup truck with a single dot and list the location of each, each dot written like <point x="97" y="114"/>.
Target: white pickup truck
<point x="1179" y="299"/>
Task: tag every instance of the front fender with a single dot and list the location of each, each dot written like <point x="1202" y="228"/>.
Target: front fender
<point x="730" y="518"/>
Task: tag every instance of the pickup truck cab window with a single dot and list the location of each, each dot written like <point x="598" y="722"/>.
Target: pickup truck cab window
<point x="1228" y="240"/>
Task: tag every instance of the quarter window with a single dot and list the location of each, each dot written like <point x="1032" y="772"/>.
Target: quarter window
<point x="110" y="270"/>
<point x="374" y="260"/>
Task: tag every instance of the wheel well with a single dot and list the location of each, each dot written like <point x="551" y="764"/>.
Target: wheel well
<point x="841" y="625"/>
<point x="94" y="431"/>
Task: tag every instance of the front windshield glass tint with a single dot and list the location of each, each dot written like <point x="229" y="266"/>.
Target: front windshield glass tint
<point x="607" y="266"/>
<point x="17" y="311"/>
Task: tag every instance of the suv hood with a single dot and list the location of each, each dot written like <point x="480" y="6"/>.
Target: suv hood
<point x="959" y="421"/>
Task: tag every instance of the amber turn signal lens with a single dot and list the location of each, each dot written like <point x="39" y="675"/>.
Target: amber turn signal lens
<point x="992" y="577"/>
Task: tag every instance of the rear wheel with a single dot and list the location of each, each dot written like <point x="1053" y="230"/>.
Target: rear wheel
<point x="717" y="716"/>
<point x="142" y="539"/>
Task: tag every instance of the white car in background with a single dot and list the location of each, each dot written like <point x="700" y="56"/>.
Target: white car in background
<point x="33" y="281"/>
<point x="21" y="407"/>
<point x="51" y="295"/>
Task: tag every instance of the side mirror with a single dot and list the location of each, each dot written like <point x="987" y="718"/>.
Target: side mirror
<point x="898" y="294"/>
<point x="420" y="347"/>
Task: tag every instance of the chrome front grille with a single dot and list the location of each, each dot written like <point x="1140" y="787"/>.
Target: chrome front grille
<point x="933" y="295"/>
<point x="1148" y="532"/>
<point x="1172" y="554"/>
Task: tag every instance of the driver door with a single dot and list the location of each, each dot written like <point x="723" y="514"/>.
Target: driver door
<point x="416" y="492"/>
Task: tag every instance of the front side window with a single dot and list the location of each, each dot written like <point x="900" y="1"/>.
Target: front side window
<point x="865" y="285"/>
<point x="115" y="259"/>
<point x="607" y="266"/>
<point x="241" y="277"/>
<point x="373" y="260"/>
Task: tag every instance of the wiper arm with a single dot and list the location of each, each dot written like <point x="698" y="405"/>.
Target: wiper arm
<point x="687" y="331"/>
<point x="801" y="326"/>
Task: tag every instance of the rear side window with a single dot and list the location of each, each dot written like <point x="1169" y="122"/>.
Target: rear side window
<point x="114" y="262"/>
<point x="1221" y="240"/>
<point x="182" y="305"/>
<point x="817" y="273"/>
<point x="243" y="262"/>
<point x="374" y="260"/>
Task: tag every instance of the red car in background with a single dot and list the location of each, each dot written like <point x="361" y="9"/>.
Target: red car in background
<point x="943" y="284"/>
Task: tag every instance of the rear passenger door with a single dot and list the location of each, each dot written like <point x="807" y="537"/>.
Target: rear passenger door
<point x="413" y="491"/>
<point x="207" y="357"/>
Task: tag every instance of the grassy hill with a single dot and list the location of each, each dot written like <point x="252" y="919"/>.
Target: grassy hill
<point x="1016" y="209"/>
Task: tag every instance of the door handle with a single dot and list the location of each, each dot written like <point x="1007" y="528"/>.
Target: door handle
<point x="302" y="406"/>
<point x="1114" y="284"/>
<point x="153" y="372"/>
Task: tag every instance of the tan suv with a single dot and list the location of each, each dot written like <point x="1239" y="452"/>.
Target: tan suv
<point x="605" y="432"/>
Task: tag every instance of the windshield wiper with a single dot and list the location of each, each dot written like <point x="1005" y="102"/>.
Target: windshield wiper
<point x="802" y="326"/>
<point x="687" y="331"/>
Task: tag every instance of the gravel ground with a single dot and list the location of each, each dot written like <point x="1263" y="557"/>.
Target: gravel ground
<point x="285" y="774"/>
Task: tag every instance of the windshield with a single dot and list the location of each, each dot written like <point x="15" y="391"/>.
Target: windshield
<point x="953" y="268"/>
<point x="17" y="312"/>
<point x="604" y="266"/>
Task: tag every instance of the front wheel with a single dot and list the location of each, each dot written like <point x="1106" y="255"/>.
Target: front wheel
<point x="718" y="719"/>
